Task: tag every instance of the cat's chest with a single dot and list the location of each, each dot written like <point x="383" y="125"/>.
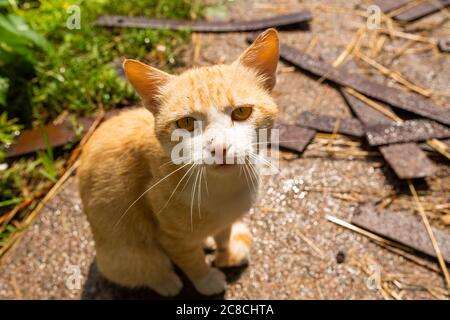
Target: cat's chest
<point x="220" y="202"/>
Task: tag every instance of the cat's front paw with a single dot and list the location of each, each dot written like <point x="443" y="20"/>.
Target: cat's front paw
<point x="237" y="253"/>
<point x="213" y="283"/>
<point x="169" y="285"/>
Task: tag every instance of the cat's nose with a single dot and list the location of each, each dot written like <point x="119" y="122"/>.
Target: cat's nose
<point x="215" y="148"/>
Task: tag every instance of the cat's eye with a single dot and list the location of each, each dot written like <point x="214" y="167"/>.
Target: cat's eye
<point x="186" y="123"/>
<point x="241" y="113"/>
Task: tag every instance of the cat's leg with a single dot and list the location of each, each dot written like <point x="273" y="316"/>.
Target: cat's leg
<point x="134" y="266"/>
<point x="190" y="257"/>
<point x="233" y="246"/>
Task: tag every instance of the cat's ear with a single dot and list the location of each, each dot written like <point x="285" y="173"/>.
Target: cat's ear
<point x="146" y="81"/>
<point x="263" y="56"/>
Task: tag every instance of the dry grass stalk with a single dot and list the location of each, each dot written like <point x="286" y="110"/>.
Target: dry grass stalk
<point x="17" y="290"/>
<point x="410" y="36"/>
<point x="195" y="39"/>
<point x="405" y="7"/>
<point x="430" y="233"/>
<point x="335" y="131"/>
<point x="395" y="76"/>
<point x="348" y="197"/>
<point x="440" y="147"/>
<point x="312" y="44"/>
<point x="373" y="104"/>
<point x="356" y="39"/>
<point x="378" y="47"/>
<point x="313" y="246"/>
<point x="368" y="234"/>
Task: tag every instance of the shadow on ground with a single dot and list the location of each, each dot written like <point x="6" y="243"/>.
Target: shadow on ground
<point x="97" y="287"/>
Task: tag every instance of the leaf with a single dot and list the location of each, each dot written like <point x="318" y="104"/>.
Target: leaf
<point x="4" y="86"/>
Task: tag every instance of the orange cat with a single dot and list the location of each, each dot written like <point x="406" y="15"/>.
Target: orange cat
<point x="148" y="208"/>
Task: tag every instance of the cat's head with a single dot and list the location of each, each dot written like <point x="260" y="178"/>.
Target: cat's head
<point x="229" y="103"/>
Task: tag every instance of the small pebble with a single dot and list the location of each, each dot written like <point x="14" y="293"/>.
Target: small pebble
<point x="340" y="257"/>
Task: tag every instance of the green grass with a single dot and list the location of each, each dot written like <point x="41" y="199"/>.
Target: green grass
<point x="80" y="74"/>
<point x="77" y="73"/>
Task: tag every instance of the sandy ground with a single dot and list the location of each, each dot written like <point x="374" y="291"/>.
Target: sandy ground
<point x="297" y="253"/>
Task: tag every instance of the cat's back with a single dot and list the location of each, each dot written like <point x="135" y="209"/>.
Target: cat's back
<point x="122" y="147"/>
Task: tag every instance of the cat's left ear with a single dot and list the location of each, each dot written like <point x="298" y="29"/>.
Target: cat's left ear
<point x="262" y="56"/>
<point x="147" y="81"/>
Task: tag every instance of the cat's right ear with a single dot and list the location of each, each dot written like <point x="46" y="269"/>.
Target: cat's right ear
<point x="147" y="81"/>
<point x="262" y="56"/>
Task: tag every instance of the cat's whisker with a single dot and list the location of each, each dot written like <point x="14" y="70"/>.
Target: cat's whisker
<point x="246" y="177"/>
<point x="206" y="181"/>
<point x="247" y="167"/>
<point x="172" y="161"/>
<point x="192" y="201"/>
<point x="199" y="194"/>
<point x="175" y="189"/>
<point x="145" y="192"/>
<point x="271" y="165"/>
<point x="266" y="142"/>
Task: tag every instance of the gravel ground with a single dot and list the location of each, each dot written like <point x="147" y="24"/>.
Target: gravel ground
<point x="297" y="253"/>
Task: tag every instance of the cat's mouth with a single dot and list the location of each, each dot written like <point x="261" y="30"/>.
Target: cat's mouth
<point x="224" y="166"/>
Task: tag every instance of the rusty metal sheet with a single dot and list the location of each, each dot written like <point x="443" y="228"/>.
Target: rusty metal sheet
<point x="406" y="131"/>
<point x="390" y="5"/>
<point x="287" y="20"/>
<point x="31" y="140"/>
<point x="403" y="227"/>
<point x="349" y="126"/>
<point x="401" y="99"/>
<point x="422" y="10"/>
<point x="370" y="117"/>
<point x="444" y="45"/>
<point x="365" y="113"/>
<point x="408" y="161"/>
<point x="294" y="138"/>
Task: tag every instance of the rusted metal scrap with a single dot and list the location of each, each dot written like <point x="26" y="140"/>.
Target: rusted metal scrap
<point x="408" y="161"/>
<point x="422" y="10"/>
<point x="31" y="140"/>
<point x="288" y="20"/>
<point x="406" y="131"/>
<point x="349" y="126"/>
<point x="34" y="139"/>
<point x="390" y="5"/>
<point x="403" y="227"/>
<point x="419" y="11"/>
<point x="294" y="138"/>
<point x="365" y="113"/>
<point x="401" y="99"/>
<point x="404" y="168"/>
